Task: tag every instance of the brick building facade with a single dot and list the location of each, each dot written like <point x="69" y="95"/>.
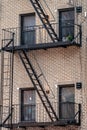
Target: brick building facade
<point x="58" y="62"/>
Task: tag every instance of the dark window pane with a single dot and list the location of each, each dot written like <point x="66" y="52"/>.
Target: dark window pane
<point x="28" y="30"/>
<point x="28" y="105"/>
<point x="67" y="94"/>
<point x="29" y="97"/>
<point x="67" y="15"/>
<point x="29" y="113"/>
<point x="67" y="110"/>
<point x="29" y="37"/>
<point x="66" y="25"/>
<point x="66" y="31"/>
<point x="67" y="97"/>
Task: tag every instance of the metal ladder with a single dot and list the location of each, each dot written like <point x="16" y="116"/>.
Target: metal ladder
<point x="45" y="20"/>
<point x="38" y="85"/>
<point x="5" y="82"/>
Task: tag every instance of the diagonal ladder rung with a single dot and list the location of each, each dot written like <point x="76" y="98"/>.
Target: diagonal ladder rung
<point x="39" y="90"/>
<point x="45" y="20"/>
<point x="40" y="75"/>
<point x="31" y="74"/>
<point x="28" y="68"/>
<point x="37" y="84"/>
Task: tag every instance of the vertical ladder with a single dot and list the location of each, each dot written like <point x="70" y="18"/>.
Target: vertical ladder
<point x="7" y="80"/>
<point x="45" y="20"/>
<point x="5" y="83"/>
<point x="38" y="85"/>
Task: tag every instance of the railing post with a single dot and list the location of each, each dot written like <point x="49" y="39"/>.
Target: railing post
<point x="79" y="118"/>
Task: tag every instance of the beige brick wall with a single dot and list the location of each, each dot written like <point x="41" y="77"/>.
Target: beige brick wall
<point x="59" y="65"/>
<point x="54" y="128"/>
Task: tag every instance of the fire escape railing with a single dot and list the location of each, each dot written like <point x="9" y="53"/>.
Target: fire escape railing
<point x="11" y="40"/>
<point x="69" y="114"/>
<point x="7" y="118"/>
<point x="36" y="35"/>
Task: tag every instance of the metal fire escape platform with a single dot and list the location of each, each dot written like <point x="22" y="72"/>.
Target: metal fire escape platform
<point x="44" y="46"/>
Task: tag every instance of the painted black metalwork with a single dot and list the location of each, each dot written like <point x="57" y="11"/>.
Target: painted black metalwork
<point x="45" y="20"/>
<point x="43" y="121"/>
<point x="38" y="85"/>
<point x="43" y="41"/>
<point x="7" y="81"/>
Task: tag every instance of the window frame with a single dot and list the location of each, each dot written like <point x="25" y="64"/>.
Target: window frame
<point x="60" y="88"/>
<point x="59" y="12"/>
<point x="21" y="91"/>
<point x="21" y="25"/>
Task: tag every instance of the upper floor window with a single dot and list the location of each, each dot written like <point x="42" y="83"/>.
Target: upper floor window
<point x="66" y="24"/>
<point x="28" y="29"/>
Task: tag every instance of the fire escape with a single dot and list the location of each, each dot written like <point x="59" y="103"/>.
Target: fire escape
<point x="7" y="70"/>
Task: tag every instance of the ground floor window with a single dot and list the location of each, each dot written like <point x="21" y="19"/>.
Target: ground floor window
<point x="66" y="101"/>
<point x="28" y="105"/>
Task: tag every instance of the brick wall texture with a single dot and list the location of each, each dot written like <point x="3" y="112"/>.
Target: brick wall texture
<point x="54" y="128"/>
<point x="59" y="65"/>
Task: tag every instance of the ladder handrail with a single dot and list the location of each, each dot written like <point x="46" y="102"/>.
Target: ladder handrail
<point x="48" y="9"/>
<point x="39" y="85"/>
<point x="45" y="20"/>
<point x="43" y="75"/>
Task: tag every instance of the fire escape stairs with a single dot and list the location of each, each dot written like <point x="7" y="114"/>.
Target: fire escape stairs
<point x="45" y="20"/>
<point x="38" y="85"/>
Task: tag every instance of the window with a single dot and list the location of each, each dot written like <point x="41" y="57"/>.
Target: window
<point x="28" y="105"/>
<point x="66" y="24"/>
<point x="28" y="29"/>
<point x="66" y="101"/>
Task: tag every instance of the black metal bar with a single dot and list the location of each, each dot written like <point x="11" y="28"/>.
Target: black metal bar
<point x="45" y="20"/>
<point x="10" y="79"/>
<point x="40" y="85"/>
<point x="41" y="43"/>
<point x="11" y="40"/>
<point x="7" y="118"/>
<point x="8" y="43"/>
<point x="6" y="30"/>
<point x="78" y="34"/>
<point x="39" y="108"/>
<point x="34" y="84"/>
